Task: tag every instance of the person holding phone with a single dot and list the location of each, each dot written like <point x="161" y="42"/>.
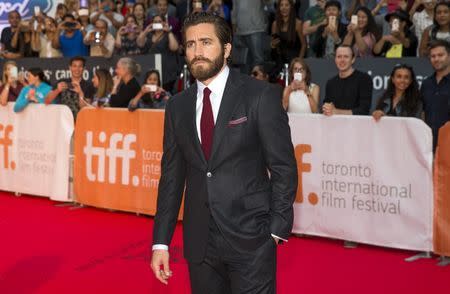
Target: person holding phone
<point x="100" y="41"/>
<point x="301" y="96"/>
<point x="330" y="34"/>
<point x="41" y="39"/>
<point x="151" y="95"/>
<point x="69" y="38"/>
<point x="12" y="39"/>
<point x="106" y="12"/>
<point x="158" y="38"/>
<point x="35" y="92"/>
<point x="126" y="39"/>
<point x="70" y="91"/>
<point x="11" y="86"/>
<point x="362" y="33"/>
<point x="400" y="41"/>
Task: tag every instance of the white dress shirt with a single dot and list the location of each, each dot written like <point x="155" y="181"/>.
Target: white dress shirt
<point x="217" y="87"/>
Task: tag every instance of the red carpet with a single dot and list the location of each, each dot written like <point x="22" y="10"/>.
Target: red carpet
<point x="49" y="249"/>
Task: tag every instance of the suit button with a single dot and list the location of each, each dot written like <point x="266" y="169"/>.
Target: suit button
<point x="209" y="174"/>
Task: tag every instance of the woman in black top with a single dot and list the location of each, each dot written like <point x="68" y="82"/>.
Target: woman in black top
<point x="125" y="86"/>
<point x="157" y="38"/>
<point x="402" y="96"/>
<point x="288" y="40"/>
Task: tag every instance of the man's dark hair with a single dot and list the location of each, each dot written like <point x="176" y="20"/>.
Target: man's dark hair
<point x="347" y="46"/>
<point x="440" y="43"/>
<point x="334" y="3"/>
<point x="15" y="12"/>
<point x="77" y="58"/>
<point x="68" y="15"/>
<point x="223" y="30"/>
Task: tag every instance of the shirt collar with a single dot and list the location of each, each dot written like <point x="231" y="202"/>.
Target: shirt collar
<point x="217" y="85"/>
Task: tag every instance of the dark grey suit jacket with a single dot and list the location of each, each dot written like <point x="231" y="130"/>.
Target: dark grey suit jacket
<point x="249" y="184"/>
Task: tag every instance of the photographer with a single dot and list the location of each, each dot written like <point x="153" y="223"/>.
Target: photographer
<point x="106" y="12"/>
<point x="72" y="92"/>
<point x="12" y="39"/>
<point x="157" y="38"/>
<point x="100" y="40"/>
<point x="69" y="38"/>
<point x="126" y="39"/>
<point x="42" y="35"/>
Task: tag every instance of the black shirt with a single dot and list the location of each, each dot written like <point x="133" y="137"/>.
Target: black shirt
<point x="125" y="93"/>
<point x="351" y="93"/>
<point x="6" y="38"/>
<point x="436" y="103"/>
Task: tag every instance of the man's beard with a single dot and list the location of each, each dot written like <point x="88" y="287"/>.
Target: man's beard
<point x="205" y="72"/>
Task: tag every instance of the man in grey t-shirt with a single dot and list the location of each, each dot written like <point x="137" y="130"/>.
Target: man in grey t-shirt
<point x="250" y="25"/>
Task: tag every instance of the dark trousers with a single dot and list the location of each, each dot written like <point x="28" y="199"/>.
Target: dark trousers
<point x="225" y="270"/>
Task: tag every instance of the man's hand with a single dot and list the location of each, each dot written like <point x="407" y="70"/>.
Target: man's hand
<point x="161" y="258"/>
<point x="62" y="86"/>
<point x="328" y="109"/>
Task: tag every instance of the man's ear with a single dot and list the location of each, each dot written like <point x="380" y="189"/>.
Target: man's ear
<point x="227" y="50"/>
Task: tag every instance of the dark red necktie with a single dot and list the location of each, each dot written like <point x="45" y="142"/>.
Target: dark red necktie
<point x="207" y="124"/>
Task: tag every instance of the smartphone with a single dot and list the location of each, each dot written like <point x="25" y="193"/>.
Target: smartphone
<point x="37" y="10"/>
<point x="354" y="20"/>
<point x="14" y="72"/>
<point x="332" y="21"/>
<point x="151" y="88"/>
<point x="157" y="26"/>
<point x="197" y="4"/>
<point x="298" y="76"/>
<point x="35" y="25"/>
<point x="395" y="25"/>
<point x="97" y="37"/>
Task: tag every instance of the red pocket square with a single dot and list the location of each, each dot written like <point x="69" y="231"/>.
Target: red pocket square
<point x="238" y="121"/>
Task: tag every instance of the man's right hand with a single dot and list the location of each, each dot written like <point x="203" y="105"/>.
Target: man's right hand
<point x="160" y="265"/>
<point x="62" y="86"/>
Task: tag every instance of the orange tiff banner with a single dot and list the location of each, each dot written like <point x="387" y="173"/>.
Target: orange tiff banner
<point x="442" y="193"/>
<point x="118" y="158"/>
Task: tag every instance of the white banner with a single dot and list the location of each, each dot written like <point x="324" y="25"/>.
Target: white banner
<point x="34" y="150"/>
<point x="364" y="181"/>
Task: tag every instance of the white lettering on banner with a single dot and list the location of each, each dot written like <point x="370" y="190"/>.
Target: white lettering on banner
<point x="21" y="7"/>
<point x="151" y="168"/>
<point x="34" y="150"/>
<point x="370" y="187"/>
<point x="6" y="147"/>
<point x="113" y="152"/>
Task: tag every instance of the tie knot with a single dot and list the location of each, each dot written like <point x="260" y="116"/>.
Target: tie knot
<point x="206" y="92"/>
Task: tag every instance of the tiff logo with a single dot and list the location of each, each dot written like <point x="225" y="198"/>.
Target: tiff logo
<point x="5" y="146"/>
<point x="113" y="153"/>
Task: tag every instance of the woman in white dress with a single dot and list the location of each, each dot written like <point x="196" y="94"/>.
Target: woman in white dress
<point x="301" y="96"/>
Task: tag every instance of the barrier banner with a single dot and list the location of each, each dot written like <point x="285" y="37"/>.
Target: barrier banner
<point x="442" y="193"/>
<point x="34" y="150"/>
<point x="118" y="158"/>
<point x="364" y="181"/>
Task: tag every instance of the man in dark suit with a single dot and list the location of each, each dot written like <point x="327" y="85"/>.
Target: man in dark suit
<point x="228" y="140"/>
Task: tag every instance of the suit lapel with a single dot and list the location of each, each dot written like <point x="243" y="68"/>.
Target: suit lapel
<point x="229" y="102"/>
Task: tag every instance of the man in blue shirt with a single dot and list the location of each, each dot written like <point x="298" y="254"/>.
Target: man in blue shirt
<point x="436" y="88"/>
<point x="69" y="38"/>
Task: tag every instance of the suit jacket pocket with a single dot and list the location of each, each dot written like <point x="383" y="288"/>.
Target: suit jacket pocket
<point x="257" y="200"/>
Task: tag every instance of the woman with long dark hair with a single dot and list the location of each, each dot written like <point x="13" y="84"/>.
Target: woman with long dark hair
<point x="36" y="91"/>
<point x="363" y="35"/>
<point x="103" y="83"/>
<point x="288" y="40"/>
<point x="152" y="95"/>
<point x="402" y="96"/>
<point x="440" y="30"/>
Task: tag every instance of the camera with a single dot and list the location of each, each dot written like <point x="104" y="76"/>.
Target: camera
<point x="151" y="88"/>
<point x="70" y="24"/>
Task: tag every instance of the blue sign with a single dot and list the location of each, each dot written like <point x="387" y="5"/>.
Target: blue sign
<point x="24" y="7"/>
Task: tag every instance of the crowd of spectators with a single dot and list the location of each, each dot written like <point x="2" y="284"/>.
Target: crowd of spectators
<point x="271" y="33"/>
